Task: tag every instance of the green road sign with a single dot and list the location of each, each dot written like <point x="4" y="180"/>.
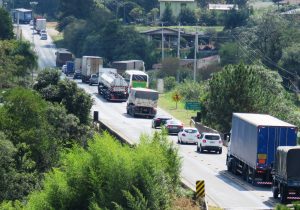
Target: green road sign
<point x="192" y="105"/>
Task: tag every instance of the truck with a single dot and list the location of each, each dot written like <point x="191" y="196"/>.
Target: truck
<point x="253" y="142"/>
<point x="40" y="25"/>
<point x="142" y="102"/>
<point x="286" y="174"/>
<point x="77" y="66"/>
<point x="24" y="16"/>
<point x="70" y="68"/>
<point x="62" y="56"/>
<point x="122" y="66"/>
<point x="112" y="86"/>
<point x="90" y="69"/>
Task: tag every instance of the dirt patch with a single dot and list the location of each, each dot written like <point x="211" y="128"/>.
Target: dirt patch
<point x="51" y="29"/>
<point x="183" y="203"/>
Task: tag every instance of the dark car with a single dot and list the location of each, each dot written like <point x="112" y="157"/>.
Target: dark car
<point x="77" y="75"/>
<point x="173" y="126"/>
<point x="159" y="121"/>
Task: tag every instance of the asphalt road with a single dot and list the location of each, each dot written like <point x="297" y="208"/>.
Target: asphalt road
<point x="222" y="189"/>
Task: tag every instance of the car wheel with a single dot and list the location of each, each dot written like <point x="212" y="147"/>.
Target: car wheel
<point x="220" y="151"/>
<point x="178" y="141"/>
<point x="198" y="150"/>
<point x="201" y="149"/>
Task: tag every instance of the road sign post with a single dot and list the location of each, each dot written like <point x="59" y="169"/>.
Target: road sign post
<point x="200" y="189"/>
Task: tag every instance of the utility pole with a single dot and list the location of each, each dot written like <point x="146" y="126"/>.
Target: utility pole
<point x="162" y="42"/>
<point x="18" y="26"/>
<point x="178" y="42"/>
<point x="195" y="54"/>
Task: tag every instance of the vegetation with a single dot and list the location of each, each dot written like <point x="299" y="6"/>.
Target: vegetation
<point x="6" y="26"/>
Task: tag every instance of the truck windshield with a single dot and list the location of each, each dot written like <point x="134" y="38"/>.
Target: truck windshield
<point x="137" y="77"/>
<point x="212" y="137"/>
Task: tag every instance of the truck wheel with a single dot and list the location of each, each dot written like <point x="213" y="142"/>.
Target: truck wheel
<point x="234" y="171"/>
<point x="245" y="172"/>
<point x="283" y="194"/>
<point x="275" y="192"/>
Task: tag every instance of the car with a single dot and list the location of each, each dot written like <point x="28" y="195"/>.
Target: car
<point x="77" y="75"/>
<point x="93" y="79"/>
<point x="44" y="36"/>
<point x="210" y="142"/>
<point x="188" y="136"/>
<point x="64" y="68"/>
<point x="43" y="31"/>
<point x="173" y="126"/>
<point x="160" y="120"/>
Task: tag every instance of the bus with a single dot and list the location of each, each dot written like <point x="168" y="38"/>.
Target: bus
<point x="136" y="79"/>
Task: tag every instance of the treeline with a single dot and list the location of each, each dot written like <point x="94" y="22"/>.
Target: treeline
<point x="91" y="29"/>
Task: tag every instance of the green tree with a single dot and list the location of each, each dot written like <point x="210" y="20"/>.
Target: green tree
<point x="187" y="17"/>
<point x="169" y="83"/>
<point x="6" y="27"/>
<point x="244" y="88"/>
<point x="78" y="8"/>
<point x="137" y="14"/>
<point x="235" y="18"/>
<point x="170" y="67"/>
<point x="168" y="17"/>
<point x="290" y="60"/>
<point x="229" y="53"/>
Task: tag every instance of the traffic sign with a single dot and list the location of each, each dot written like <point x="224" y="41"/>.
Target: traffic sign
<point x="190" y="105"/>
<point x="200" y="189"/>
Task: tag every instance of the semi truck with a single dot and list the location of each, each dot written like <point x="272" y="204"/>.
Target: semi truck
<point x="112" y="86"/>
<point x="90" y="68"/>
<point x="40" y="25"/>
<point x="62" y="56"/>
<point x="286" y="174"/>
<point x="142" y="102"/>
<point x="122" y="66"/>
<point x="253" y="142"/>
<point x="23" y="15"/>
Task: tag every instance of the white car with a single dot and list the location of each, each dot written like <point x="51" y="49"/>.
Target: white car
<point x="188" y="135"/>
<point x="210" y="142"/>
<point x="44" y="36"/>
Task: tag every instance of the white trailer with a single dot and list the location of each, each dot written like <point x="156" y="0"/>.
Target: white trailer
<point x="40" y="25"/>
<point x="90" y="66"/>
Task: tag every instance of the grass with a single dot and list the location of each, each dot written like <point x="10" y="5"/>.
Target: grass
<point x="141" y="28"/>
<point x="56" y="36"/>
<point x="166" y="103"/>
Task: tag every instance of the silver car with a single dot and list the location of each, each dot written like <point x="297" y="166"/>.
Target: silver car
<point x="93" y="79"/>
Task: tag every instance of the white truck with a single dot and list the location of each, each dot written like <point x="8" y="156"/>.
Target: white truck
<point x="142" y="102"/>
<point x="77" y="62"/>
<point x="90" y="69"/>
<point x="112" y="86"/>
<point x="40" y="25"/>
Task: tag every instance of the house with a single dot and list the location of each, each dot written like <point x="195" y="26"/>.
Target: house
<point x="176" y="6"/>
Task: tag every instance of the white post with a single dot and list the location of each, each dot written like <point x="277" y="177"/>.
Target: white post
<point x="195" y="54"/>
<point x="162" y="42"/>
<point x="178" y="43"/>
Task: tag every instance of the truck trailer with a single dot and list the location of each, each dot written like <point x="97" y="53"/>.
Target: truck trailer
<point x="142" y="102"/>
<point x="90" y="67"/>
<point x="253" y="143"/>
<point x="40" y="25"/>
<point x="112" y="86"/>
<point x="62" y="56"/>
<point x="23" y="15"/>
<point x="122" y="66"/>
<point x="286" y="174"/>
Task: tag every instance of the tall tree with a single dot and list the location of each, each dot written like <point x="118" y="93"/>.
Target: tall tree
<point x="168" y="17"/>
<point x="6" y="27"/>
<point x="187" y="17"/>
<point x="78" y="8"/>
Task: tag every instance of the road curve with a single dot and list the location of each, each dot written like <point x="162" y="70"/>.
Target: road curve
<point x="222" y="188"/>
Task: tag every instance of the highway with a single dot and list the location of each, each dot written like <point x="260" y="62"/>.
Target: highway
<point x="222" y="189"/>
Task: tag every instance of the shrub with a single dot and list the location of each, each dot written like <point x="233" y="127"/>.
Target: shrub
<point x="169" y="83"/>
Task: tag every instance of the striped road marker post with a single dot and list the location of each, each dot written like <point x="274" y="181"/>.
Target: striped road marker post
<point x="200" y="189"/>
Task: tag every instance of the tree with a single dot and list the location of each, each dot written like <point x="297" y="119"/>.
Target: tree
<point x="242" y="88"/>
<point x="6" y="27"/>
<point x="290" y="60"/>
<point x="187" y="17"/>
<point x="137" y="14"/>
<point x="235" y="18"/>
<point x="169" y="83"/>
<point x="78" y="8"/>
<point x="168" y="17"/>
<point x="229" y="53"/>
<point x="153" y="14"/>
<point x="169" y="67"/>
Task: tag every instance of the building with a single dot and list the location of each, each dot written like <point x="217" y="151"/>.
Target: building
<point x="176" y="6"/>
<point x="222" y="7"/>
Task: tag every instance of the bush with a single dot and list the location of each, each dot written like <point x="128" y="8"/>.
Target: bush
<point x="169" y="83"/>
<point x="191" y="91"/>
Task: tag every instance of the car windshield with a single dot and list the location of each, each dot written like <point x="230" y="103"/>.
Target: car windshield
<point x="94" y="76"/>
<point x="212" y="137"/>
<point x="190" y="131"/>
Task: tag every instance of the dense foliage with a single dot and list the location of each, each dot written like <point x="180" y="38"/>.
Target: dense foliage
<point x="6" y="27"/>
<point x="110" y="176"/>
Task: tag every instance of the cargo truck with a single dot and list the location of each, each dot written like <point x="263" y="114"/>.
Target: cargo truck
<point x="23" y="15"/>
<point x="70" y="68"/>
<point x="62" y="56"/>
<point x="112" y="86"/>
<point x="253" y="143"/>
<point x="40" y="25"/>
<point x="122" y="66"/>
<point x="286" y="174"/>
<point x="77" y="64"/>
<point x="90" y="68"/>
<point x="142" y="102"/>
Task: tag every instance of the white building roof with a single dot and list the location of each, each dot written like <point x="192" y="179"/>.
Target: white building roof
<point x="262" y="120"/>
<point x="222" y="6"/>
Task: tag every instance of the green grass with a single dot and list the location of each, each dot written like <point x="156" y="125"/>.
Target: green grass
<point x="166" y="103"/>
<point x="141" y="28"/>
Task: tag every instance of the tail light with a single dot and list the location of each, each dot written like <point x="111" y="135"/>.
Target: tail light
<point x="168" y="126"/>
<point x="204" y="141"/>
<point x="183" y="134"/>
